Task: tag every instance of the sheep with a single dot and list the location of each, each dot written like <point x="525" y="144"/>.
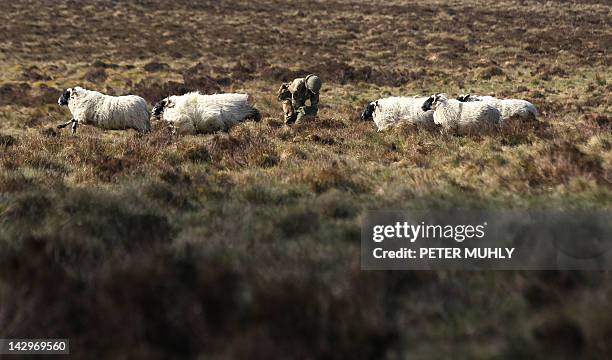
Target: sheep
<point x="388" y="112"/>
<point x="509" y="108"/>
<point x="197" y="113"/>
<point x="459" y="116"/>
<point x="105" y="111"/>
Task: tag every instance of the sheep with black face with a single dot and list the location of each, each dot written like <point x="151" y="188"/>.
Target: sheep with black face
<point x="104" y="111"/>
<point x="391" y="111"/>
<point x="459" y="116"/>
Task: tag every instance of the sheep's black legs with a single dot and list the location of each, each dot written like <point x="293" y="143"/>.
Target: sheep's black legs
<point x="73" y="122"/>
<point x="61" y="126"/>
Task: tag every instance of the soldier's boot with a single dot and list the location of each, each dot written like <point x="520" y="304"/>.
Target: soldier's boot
<point x="290" y="119"/>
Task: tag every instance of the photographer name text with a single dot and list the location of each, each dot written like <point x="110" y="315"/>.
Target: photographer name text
<point x="444" y="253"/>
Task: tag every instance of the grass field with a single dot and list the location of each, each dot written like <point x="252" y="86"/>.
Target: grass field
<point x="246" y="244"/>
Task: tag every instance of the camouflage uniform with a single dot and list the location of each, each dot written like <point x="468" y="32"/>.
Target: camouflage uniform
<point x="294" y="96"/>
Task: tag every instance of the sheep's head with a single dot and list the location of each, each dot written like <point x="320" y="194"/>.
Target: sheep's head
<point x="464" y="97"/>
<point x="69" y="94"/>
<point x="63" y="100"/>
<point x="159" y="108"/>
<point x="427" y="104"/>
<point x="368" y="112"/>
<point x="433" y="101"/>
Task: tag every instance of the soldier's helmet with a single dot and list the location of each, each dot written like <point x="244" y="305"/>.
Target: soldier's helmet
<point x="313" y="83"/>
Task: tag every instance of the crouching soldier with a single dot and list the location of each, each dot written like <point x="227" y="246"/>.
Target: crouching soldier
<point x="294" y="95"/>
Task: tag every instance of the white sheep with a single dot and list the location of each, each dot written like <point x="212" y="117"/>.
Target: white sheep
<point x="197" y="113"/>
<point x="459" y="116"/>
<point x="509" y="108"/>
<point x="391" y="111"/>
<point x="105" y="111"/>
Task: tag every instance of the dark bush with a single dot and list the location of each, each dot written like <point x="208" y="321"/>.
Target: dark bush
<point x="96" y="75"/>
<point x="15" y="94"/>
<point x="7" y="140"/>
<point x="156" y="67"/>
